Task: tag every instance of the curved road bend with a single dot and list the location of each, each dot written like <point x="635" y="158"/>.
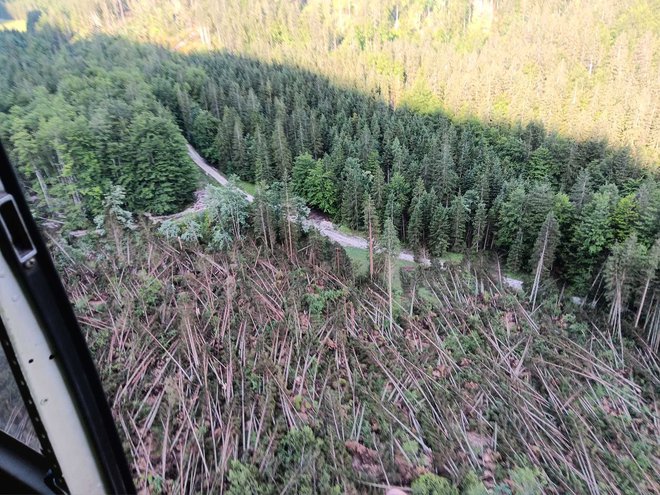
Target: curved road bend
<point x="316" y="220"/>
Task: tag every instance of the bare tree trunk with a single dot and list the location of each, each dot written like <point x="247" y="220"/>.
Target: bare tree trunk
<point x="371" y="250"/>
<point x="389" y="289"/>
<point x="539" y="271"/>
<point x="616" y="309"/>
<point x="287" y="219"/>
<point x="654" y="329"/>
<point x="641" y="304"/>
<point x="44" y="189"/>
<point x="120" y="3"/>
<point x="265" y="227"/>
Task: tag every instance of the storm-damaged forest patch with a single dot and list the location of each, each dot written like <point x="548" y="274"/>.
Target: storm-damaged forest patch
<point x="249" y="372"/>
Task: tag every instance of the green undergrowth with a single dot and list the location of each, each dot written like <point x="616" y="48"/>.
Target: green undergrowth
<point x="360" y="262"/>
<point x="248" y="187"/>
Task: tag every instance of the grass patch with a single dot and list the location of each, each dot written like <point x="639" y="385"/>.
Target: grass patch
<point x="515" y="275"/>
<point x="401" y="263"/>
<point x="360" y="259"/>
<point x="349" y="231"/>
<point x="426" y="295"/>
<point x="13" y="25"/>
<point x="248" y="187"/>
<point x="396" y="279"/>
<point x="453" y="257"/>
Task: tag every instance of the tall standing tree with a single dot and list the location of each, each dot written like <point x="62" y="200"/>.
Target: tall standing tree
<point x="280" y="149"/>
<point x="416" y="227"/>
<point x="540" y="165"/>
<point x="204" y="130"/>
<point x="650" y="263"/>
<point x="439" y="231"/>
<point x="514" y="260"/>
<point x="648" y="206"/>
<point x="185" y="111"/>
<point x="390" y="246"/>
<point x="287" y="215"/>
<point x="322" y="188"/>
<point x="510" y="215"/>
<point x="458" y="218"/>
<point x="162" y="179"/>
<point x="446" y="178"/>
<point x="353" y="194"/>
<point x="303" y="166"/>
<point x="621" y="272"/>
<point x="593" y="234"/>
<point x="544" y="252"/>
<point x="372" y="223"/>
<point x="260" y="157"/>
<point x="223" y="140"/>
<point x="399" y="154"/>
<point x="377" y="185"/>
<point x="418" y="223"/>
<point x="264" y="212"/>
<point x="625" y="218"/>
<point x="479" y="226"/>
<point x="397" y="200"/>
<point x="581" y="191"/>
<point x="238" y="153"/>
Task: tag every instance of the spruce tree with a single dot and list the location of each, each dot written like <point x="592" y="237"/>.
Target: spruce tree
<point x="439" y="231"/>
<point x="514" y="259"/>
<point x="162" y="178"/>
<point x="648" y="202"/>
<point x="204" y="131"/>
<point x="445" y="176"/>
<point x="581" y="191"/>
<point x="479" y="225"/>
<point x="416" y="227"/>
<point x="260" y="158"/>
<point x="238" y="153"/>
<point x="510" y="215"/>
<point x="592" y="235"/>
<point x="280" y="149"/>
<point x="353" y="194"/>
<point x="301" y="175"/>
<point x="223" y="141"/>
<point x="265" y="214"/>
<point x="458" y="219"/>
<point x="625" y="218"/>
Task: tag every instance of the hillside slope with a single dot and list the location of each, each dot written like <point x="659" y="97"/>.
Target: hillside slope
<point x="583" y="69"/>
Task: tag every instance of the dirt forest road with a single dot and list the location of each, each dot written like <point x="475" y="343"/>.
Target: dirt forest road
<point x="315" y="220"/>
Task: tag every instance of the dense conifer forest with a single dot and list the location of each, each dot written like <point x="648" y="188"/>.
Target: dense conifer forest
<point x="447" y="184"/>
<point x="521" y="138"/>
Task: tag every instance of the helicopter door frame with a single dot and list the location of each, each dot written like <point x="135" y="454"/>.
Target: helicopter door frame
<point x="50" y="359"/>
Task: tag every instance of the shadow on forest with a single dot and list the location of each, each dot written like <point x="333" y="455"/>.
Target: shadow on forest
<point x="4" y="14"/>
<point x="224" y="66"/>
<point x="514" y="142"/>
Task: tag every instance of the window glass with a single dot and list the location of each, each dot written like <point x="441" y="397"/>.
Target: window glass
<point x="14" y="418"/>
